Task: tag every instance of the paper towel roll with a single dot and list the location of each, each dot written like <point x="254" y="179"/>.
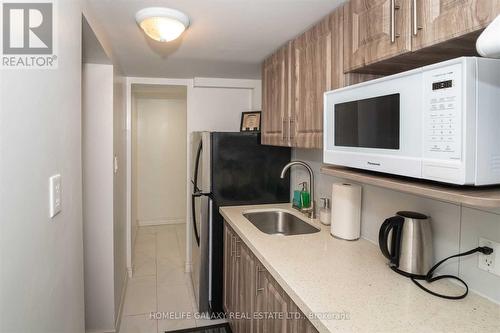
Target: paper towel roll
<point x="346" y="211"/>
<point x="488" y="44"/>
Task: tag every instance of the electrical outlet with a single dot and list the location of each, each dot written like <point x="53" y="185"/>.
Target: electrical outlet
<point x="489" y="262"/>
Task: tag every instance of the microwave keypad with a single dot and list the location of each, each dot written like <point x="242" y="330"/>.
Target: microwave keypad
<point x="442" y="126"/>
<point x="443" y="113"/>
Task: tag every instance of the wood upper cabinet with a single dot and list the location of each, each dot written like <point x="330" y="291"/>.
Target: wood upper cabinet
<point x="375" y="30"/>
<point x="295" y="79"/>
<point x="275" y="98"/>
<point x="312" y="57"/>
<point x="338" y="78"/>
<point x="435" y="21"/>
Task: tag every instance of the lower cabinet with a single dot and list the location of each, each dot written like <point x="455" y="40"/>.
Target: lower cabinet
<point x="253" y="300"/>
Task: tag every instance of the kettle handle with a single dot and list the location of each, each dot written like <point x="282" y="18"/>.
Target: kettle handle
<point x="393" y="223"/>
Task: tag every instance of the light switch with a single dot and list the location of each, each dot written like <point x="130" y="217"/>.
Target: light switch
<point x="115" y="164"/>
<point x="55" y="195"/>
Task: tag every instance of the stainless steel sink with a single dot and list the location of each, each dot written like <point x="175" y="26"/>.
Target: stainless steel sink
<point x="279" y="223"/>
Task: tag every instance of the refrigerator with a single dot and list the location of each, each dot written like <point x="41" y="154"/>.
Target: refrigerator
<point x="227" y="169"/>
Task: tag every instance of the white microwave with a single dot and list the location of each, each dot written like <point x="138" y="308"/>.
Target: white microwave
<point x="440" y="122"/>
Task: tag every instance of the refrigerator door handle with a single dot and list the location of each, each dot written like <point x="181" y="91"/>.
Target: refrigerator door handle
<point x="193" y="212"/>
<point x="196" y="168"/>
<point x="198" y="194"/>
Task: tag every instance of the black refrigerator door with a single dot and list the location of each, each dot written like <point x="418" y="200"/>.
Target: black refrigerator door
<point x="246" y="172"/>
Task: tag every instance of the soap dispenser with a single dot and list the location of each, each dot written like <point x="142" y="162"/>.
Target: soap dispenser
<point x="297" y="201"/>
<point x="325" y="213"/>
<point x="305" y="196"/>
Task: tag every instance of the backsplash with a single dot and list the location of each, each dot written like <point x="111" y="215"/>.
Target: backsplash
<point x="455" y="228"/>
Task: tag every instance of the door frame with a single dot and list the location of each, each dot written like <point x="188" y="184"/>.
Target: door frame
<point x="255" y="98"/>
<point x="130" y="81"/>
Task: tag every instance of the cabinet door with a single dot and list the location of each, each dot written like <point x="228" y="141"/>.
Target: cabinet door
<point x="312" y="77"/>
<point x="228" y="244"/>
<point x="249" y="289"/>
<point x="229" y="274"/>
<point x="434" y="21"/>
<point x="274" y="303"/>
<point x="337" y="57"/>
<point x="235" y="285"/>
<point x="298" y="322"/>
<point x="246" y="290"/>
<point x="275" y="98"/>
<point x="375" y="30"/>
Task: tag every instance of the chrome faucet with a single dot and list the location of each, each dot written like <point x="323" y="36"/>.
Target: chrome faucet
<point x="310" y="212"/>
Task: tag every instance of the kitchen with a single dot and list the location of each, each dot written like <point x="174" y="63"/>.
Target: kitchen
<point x="254" y="166"/>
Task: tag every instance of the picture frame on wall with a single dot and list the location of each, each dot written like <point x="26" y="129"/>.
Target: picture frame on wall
<point x="251" y="121"/>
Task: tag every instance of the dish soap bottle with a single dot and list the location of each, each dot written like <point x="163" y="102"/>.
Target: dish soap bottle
<point x="297" y="202"/>
<point x="305" y="196"/>
<point x="325" y="213"/>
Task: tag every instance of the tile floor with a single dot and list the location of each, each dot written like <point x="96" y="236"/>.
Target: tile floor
<point x="159" y="283"/>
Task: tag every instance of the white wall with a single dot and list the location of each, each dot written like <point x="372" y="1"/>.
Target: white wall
<point x="161" y="161"/>
<point x="119" y="192"/>
<point x="133" y="170"/>
<point x="104" y="195"/>
<point x="41" y="286"/>
<point x="98" y="212"/>
<point x="455" y="228"/>
<point x="218" y="109"/>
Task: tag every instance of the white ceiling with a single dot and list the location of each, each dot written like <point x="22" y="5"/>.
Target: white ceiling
<point x="227" y="38"/>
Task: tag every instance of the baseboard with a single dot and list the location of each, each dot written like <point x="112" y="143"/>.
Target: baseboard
<point x="147" y="223"/>
<point x="118" y="319"/>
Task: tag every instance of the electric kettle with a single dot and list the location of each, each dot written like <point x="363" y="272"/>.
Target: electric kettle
<point x="406" y="240"/>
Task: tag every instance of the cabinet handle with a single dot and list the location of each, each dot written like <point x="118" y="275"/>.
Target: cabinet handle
<point x="284" y="129"/>
<point x="416" y="27"/>
<point x="257" y="280"/>
<point x="232" y="248"/>
<point x="236" y="241"/>
<point x="292" y="122"/>
<point x="394" y="7"/>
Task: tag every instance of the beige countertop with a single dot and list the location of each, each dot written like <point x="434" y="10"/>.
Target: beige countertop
<point x="323" y="274"/>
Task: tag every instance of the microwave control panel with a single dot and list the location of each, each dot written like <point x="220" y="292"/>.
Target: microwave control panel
<point x="443" y="113"/>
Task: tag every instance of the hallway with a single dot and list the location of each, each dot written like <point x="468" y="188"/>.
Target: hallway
<point x="159" y="283"/>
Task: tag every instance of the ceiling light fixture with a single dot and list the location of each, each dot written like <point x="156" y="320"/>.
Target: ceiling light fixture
<point x="162" y="24"/>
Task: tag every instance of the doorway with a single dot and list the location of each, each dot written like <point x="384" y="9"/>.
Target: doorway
<point x="159" y="283"/>
<point x="159" y="158"/>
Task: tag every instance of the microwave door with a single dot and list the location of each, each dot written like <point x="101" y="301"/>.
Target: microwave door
<point x="372" y="123"/>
